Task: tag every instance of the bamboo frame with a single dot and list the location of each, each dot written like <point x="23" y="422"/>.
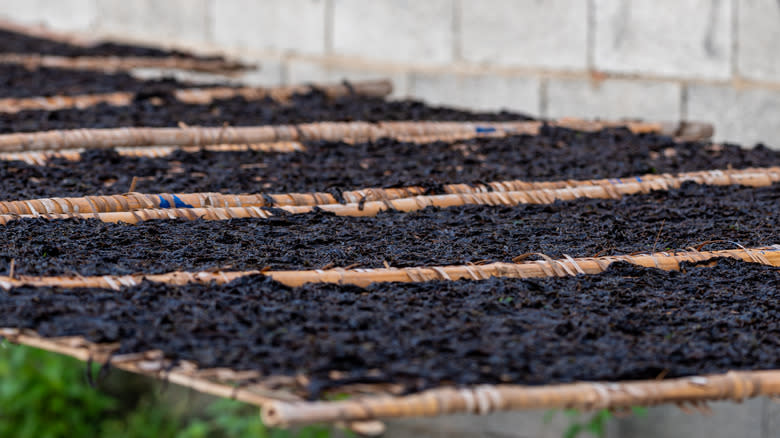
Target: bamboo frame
<point x="544" y="191"/>
<point x="280" y="396"/>
<point x="119" y="63"/>
<point x="363" y="277"/>
<point x="329" y="131"/>
<point x="376" y="88"/>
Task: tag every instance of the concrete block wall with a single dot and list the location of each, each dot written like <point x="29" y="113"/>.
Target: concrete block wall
<point x="716" y="60"/>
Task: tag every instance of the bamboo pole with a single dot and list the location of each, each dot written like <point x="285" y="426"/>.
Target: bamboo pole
<point x="363" y="277"/>
<point x="329" y="131"/>
<point x="117" y="63"/>
<point x="484" y="399"/>
<point x="543" y="192"/>
<point x="377" y="88"/>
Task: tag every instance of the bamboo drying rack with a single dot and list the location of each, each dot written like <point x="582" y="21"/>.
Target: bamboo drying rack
<point x="547" y="267"/>
<point x="539" y="192"/>
<point x="280" y="397"/>
<point x="329" y="131"/>
<point x="376" y="88"/>
<point x="122" y="63"/>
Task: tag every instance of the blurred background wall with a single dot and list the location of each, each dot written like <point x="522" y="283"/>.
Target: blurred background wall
<point x="716" y="60"/>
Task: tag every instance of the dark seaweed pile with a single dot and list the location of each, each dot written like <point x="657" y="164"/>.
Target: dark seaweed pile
<point x="13" y="42"/>
<point x="333" y="166"/>
<point x="18" y="81"/>
<point x="238" y="111"/>
<point x="628" y="323"/>
<point x="585" y="227"/>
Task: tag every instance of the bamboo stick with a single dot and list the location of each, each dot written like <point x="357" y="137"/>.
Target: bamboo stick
<point x="329" y="131"/>
<point x="608" y="188"/>
<point x="363" y="277"/>
<point x="377" y="88"/>
<point x="114" y="63"/>
<point x="483" y="399"/>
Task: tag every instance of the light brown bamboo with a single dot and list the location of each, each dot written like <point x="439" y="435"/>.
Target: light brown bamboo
<point x="377" y="88"/>
<point x="116" y="63"/>
<point x="483" y="399"/>
<point x="329" y="131"/>
<point x="133" y="208"/>
<point x="611" y="188"/>
<point x="363" y="277"/>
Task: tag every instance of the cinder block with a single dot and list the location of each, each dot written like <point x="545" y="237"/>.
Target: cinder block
<point x="614" y="99"/>
<point x="282" y="25"/>
<point x="499" y="425"/>
<point x="685" y="38"/>
<point x="67" y="15"/>
<point x="758" y="56"/>
<point x="746" y="116"/>
<point x="270" y="73"/>
<point x="727" y="420"/>
<point x="771" y="418"/>
<point x="303" y="71"/>
<point x="179" y="20"/>
<point x="408" y="31"/>
<point x="479" y="92"/>
<point x="551" y="34"/>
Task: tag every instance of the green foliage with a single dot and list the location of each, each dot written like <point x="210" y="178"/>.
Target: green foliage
<point x="596" y="425"/>
<point x="41" y="397"/>
<point x="46" y="395"/>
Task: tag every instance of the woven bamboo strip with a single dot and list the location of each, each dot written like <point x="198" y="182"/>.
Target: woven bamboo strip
<point x="378" y="88"/>
<point x="329" y="131"/>
<point x="41" y="158"/>
<point x="363" y="277"/>
<point x="483" y="399"/>
<point x="612" y="188"/>
<point x="114" y="63"/>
